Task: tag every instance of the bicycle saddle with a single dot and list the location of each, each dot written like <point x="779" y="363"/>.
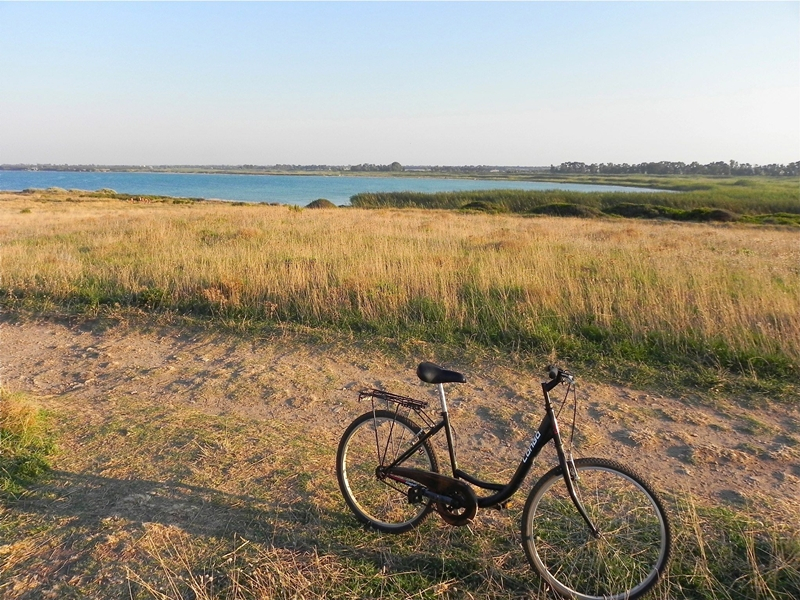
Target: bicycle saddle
<point x="431" y="373"/>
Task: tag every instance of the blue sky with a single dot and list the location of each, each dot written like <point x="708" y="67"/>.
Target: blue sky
<point x="520" y="83"/>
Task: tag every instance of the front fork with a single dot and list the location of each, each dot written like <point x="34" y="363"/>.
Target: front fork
<point x="570" y="473"/>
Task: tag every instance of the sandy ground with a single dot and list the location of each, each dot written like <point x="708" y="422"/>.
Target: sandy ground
<point x="725" y="454"/>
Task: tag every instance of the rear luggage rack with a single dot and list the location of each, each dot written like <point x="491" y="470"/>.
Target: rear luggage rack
<point x="389" y="397"/>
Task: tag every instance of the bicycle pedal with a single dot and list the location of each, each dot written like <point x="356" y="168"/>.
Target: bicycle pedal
<point x="415" y="494"/>
<point x="500" y="506"/>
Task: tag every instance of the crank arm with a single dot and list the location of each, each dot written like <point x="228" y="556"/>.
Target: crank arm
<point x="437" y="497"/>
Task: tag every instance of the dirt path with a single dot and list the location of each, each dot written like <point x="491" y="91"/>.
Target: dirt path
<point x="724" y="454"/>
<point x="191" y="462"/>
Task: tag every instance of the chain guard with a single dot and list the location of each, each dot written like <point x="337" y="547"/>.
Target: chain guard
<point x="460" y="511"/>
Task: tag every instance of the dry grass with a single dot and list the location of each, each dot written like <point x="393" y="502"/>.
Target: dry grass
<point x="726" y="297"/>
<point x="19" y="417"/>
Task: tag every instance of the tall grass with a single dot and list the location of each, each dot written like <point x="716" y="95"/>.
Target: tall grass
<point x="704" y="299"/>
<point x="722" y="553"/>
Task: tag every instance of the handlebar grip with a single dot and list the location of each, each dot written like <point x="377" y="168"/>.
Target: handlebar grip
<point x="553" y="372"/>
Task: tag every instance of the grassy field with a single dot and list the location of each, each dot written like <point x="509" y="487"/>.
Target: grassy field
<point x="153" y="497"/>
<point x="709" y="306"/>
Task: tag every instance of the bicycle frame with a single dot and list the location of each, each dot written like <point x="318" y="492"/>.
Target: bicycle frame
<point x="547" y="431"/>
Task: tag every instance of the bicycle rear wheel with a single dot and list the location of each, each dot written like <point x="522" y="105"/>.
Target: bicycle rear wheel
<point x="634" y="545"/>
<point x="373" y="440"/>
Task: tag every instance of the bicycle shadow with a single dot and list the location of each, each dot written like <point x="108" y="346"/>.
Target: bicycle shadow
<point x="103" y="531"/>
<point x="84" y="510"/>
<point x="87" y="501"/>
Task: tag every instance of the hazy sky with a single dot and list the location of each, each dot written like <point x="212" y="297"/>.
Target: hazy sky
<point x="522" y="83"/>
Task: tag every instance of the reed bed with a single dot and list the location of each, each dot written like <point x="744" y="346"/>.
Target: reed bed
<point x="750" y="197"/>
<point x="724" y="298"/>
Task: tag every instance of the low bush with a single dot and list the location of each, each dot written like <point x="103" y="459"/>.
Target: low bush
<point x="321" y="203"/>
<point x="654" y="211"/>
<point x="565" y="209"/>
<point x="485" y="207"/>
<point x="708" y="215"/>
<point x="642" y="211"/>
<point x="773" y="219"/>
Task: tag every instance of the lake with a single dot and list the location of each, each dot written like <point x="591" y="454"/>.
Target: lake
<point x="285" y="189"/>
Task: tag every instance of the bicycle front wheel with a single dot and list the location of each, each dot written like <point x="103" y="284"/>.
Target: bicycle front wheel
<point x="373" y="440"/>
<point x="633" y="547"/>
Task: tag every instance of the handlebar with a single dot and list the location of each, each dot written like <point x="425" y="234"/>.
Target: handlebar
<point x="558" y="375"/>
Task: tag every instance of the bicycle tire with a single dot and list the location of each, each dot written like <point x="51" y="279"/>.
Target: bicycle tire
<point x="372" y="440"/>
<point x="635" y="541"/>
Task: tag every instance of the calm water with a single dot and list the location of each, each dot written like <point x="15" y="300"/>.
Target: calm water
<point x="286" y="189"/>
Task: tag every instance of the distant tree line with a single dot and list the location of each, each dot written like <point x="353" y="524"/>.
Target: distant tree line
<point x="730" y="168"/>
<point x="679" y="168"/>
<point x="395" y="167"/>
<point x="286" y="167"/>
<point x="483" y="169"/>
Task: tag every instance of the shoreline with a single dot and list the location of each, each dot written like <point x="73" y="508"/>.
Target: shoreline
<point x="301" y="188"/>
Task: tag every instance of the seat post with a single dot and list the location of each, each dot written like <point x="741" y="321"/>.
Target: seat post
<point x="451" y="449"/>
<point x="442" y="399"/>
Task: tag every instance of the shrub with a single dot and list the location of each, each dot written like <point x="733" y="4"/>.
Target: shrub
<point x="642" y="211"/>
<point x="709" y="214"/>
<point x="321" y="203"/>
<point x="486" y="207"/>
<point x="565" y="209"/>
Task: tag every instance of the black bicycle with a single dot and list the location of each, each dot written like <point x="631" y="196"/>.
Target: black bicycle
<point x="591" y="527"/>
